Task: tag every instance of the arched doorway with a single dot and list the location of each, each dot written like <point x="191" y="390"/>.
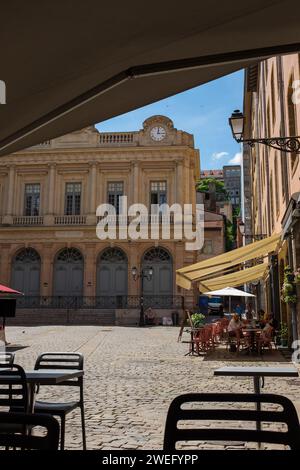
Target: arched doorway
<point x="161" y="282"/>
<point x="112" y="273"/>
<point x="26" y="268"/>
<point x="68" y="273"/>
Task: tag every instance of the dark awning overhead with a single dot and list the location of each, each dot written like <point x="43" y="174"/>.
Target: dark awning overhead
<point x="70" y="64"/>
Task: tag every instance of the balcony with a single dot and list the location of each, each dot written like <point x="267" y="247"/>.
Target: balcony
<point x="28" y="220"/>
<point x="117" y="139"/>
<point x="70" y="220"/>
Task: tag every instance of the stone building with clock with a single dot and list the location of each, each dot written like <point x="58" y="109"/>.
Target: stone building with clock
<point x="48" y="244"/>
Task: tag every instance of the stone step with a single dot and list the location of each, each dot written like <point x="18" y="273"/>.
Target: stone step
<point x="63" y="317"/>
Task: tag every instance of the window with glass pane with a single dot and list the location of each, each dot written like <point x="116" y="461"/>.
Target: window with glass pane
<point x="73" y="199"/>
<point x="115" y="189"/>
<point x="32" y="199"/>
<point x="158" y="192"/>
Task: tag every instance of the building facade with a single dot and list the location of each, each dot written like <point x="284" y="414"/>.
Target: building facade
<point x="48" y="200"/>
<point x="271" y="176"/>
<point x="232" y="182"/>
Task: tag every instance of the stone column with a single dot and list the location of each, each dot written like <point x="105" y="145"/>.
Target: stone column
<point x="10" y="194"/>
<point x="179" y="182"/>
<point x="49" y="217"/>
<point x="91" y="219"/>
<point x="186" y="183"/>
<point x="89" y="288"/>
<point x="46" y="271"/>
<point x="135" y="182"/>
<point x="5" y="264"/>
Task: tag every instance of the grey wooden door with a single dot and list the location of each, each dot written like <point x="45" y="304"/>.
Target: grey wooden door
<point x="161" y="282"/>
<point x="112" y="273"/>
<point x="26" y="269"/>
<point x="68" y="273"/>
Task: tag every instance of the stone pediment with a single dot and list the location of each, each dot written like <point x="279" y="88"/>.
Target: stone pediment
<point x="84" y="137"/>
<point x="158" y="119"/>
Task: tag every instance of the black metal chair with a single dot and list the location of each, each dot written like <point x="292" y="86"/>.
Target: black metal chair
<point x="63" y="360"/>
<point x="13" y="388"/>
<point x="9" y="437"/>
<point x="7" y="358"/>
<point x="287" y="415"/>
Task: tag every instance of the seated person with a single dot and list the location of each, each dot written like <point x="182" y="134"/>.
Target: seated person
<point x="266" y="336"/>
<point x="150" y="317"/>
<point x="263" y="317"/>
<point x="234" y="329"/>
<point x="272" y="321"/>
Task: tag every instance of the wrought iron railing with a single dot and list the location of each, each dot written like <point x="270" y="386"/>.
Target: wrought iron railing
<point x="101" y="302"/>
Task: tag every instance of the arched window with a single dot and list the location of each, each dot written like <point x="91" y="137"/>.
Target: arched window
<point x="26" y="267"/>
<point x="70" y="255"/>
<point x="112" y="274"/>
<point x="156" y="255"/>
<point x="160" y="287"/>
<point x="68" y="273"/>
<point x="113" y="255"/>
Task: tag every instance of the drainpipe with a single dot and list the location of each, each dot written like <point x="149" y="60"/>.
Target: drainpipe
<point x="283" y="155"/>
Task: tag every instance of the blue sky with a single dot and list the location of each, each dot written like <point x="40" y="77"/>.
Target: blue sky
<point x="202" y="111"/>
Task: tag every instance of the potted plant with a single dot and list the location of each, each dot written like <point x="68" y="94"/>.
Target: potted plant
<point x="198" y="319"/>
<point x="284" y="334"/>
<point x="288" y="291"/>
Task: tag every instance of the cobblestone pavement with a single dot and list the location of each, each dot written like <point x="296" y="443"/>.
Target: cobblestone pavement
<point x="131" y="376"/>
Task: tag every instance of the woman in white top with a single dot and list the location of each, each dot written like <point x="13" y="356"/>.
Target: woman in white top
<point x="234" y="328"/>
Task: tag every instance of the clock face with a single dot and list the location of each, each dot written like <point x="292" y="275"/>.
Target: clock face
<point x="158" y="133"/>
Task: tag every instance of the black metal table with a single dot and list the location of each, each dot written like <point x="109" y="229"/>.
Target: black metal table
<point x="258" y="373"/>
<point x="46" y="377"/>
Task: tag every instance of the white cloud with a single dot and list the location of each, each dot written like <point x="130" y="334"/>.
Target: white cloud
<point x="237" y="159"/>
<point x="219" y="155"/>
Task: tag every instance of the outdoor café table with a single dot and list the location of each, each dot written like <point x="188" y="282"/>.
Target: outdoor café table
<point x="193" y="333"/>
<point x="46" y="377"/>
<point x="252" y="331"/>
<point x="257" y="372"/>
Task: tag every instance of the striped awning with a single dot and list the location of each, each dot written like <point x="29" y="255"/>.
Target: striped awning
<point x="226" y="262"/>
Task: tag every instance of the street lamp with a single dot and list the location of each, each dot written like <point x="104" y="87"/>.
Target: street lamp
<point x="287" y="144"/>
<point x="258" y="236"/>
<point x="147" y="273"/>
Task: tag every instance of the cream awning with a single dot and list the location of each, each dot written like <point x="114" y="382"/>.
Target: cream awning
<point x="236" y="278"/>
<point x="224" y="262"/>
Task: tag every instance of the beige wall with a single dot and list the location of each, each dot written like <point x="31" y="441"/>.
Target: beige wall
<point x="269" y="196"/>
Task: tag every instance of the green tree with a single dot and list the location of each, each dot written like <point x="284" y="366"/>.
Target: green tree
<point x="203" y="186"/>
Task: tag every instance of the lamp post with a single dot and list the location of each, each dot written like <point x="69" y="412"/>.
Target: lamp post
<point x="147" y="273"/>
<point x="287" y="144"/>
<point x="257" y="236"/>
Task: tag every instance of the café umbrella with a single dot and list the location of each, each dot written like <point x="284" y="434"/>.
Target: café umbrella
<point x="6" y="292"/>
<point x="230" y="292"/>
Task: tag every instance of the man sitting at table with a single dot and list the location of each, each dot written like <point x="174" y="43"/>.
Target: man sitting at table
<point x="234" y="329"/>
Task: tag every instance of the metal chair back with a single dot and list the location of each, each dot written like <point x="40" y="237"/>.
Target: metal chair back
<point x="13" y="388"/>
<point x="64" y="361"/>
<point x="14" y="422"/>
<point x="286" y="415"/>
<point x="7" y="358"/>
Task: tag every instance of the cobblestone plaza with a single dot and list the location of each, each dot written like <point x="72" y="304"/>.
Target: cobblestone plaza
<point x="131" y="377"/>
